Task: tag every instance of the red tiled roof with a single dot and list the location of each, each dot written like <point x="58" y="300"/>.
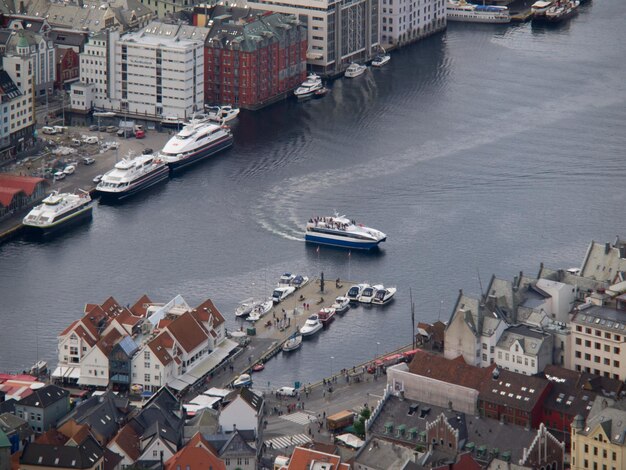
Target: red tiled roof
<point x="127" y="318"/>
<point x="82" y="332"/>
<point x="194" y="458"/>
<point x="128" y="441"/>
<point x="25" y="183"/>
<point x="199" y="441"/>
<point x="301" y="459"/>
<point x="454" y="371"/>
<point x="164" y="322"/>
<point x="160" y="345"/>
<point x="514" y="390"/>
<point x="187" y="332"/>
<point x="69" y="328"/>
<point x="74" y="431"/>
<point x="140" y="308"/>
<point x="207" y="308"/>
<point x="89" y="307"/>
<point x="52" y="437"/>
<point x="108" y="341"/>
<point x="110" y="305"/>
<point x="7" y="195"/>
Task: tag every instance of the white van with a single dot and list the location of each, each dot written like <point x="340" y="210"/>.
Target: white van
<point x="91" y="139"/>
<point x="48" y="130"/>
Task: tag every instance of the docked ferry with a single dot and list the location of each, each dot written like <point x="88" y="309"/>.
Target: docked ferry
<point x="463" y="11"/>
<point x="343" y="232"/>
<point x="131" y="175"/>
<point x="59" y="210"/>
<point x="196" y="141"/>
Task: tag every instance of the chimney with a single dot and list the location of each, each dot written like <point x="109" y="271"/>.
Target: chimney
<point x="607" y="248"/>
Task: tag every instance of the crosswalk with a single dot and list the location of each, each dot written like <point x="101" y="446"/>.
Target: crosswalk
<point x="288" y="441"/>
<point x="300" y="418"/>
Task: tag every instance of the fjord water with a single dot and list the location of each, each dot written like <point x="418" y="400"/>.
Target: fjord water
<point x="485" y="149"/>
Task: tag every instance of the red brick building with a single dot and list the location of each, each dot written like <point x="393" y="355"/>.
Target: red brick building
<point x="68" y="67"/>
<point x="252" y="58"/>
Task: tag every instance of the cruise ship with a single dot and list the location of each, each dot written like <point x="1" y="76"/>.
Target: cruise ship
<point x="131" y="175"/>
<point x="59" y="210"/>
<point x="343" y="232"/>
<point x="196" y="141"/>
<point x="463" y="11"/>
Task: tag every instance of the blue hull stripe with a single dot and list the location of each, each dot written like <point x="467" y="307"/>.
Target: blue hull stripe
<point x="341" y="243"/>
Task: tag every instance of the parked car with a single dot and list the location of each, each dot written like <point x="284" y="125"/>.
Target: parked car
<point x="112" y="129"/>
<point x="96" y="179"/>
<point x="140" y="134"/>
<point x="93" y="127"/>
<point x="147" y="151"/>
<point x="76" y="143"/>
<point x="48" y="130"/>
<point x="69" y="170"/>
<point x="91" y="139"/>
<point x="59" y="175"/>
<point x="88" y="161"/>
<point x="286" y="392"/>
<point x="125" y="133"/>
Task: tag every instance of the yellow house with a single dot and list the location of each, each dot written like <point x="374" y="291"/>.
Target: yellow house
<point x="600" y="444"/>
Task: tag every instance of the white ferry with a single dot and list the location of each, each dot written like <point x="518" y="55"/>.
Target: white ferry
<point x="343" y="232"/>
<point x="196" y="141"/>
<point x="59" y="210"/>
<point x="462" y="11"/>
<point x="131" y="175"/>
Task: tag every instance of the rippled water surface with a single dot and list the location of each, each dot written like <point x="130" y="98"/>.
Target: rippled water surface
<point x="486" y="149"/>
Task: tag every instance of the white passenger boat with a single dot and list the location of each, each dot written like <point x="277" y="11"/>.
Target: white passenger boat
<point x="292" y="343"/>
<point x="311" y="326"/>
<point x="59" y="210"/>
<point x="381" y="60"/>
<point x="354" y="70"/>
<point x="384" y="295"/>
<point x="368" y="293"/>
<point x="343" y="232"/>
<point x="244" y="308"/>
<point x="198" y="140"/>
<point x="131" y="175"/>
<point x="281" y="293"/>
<point x="463" y="11"/>
<point x="221" y="114"/>
<point x="354" y="292"/>
<point x="341" y="305"/>
<point x="260" y="309"/>
<point x="308" y="87"/>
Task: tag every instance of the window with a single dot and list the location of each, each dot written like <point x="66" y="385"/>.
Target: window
<point x="615" y="350"/>
<point x="146" y="377"/>
<point x="579" y="341"/>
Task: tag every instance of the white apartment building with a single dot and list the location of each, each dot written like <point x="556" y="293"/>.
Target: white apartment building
<point x="339" y="32"/>
<point x="23" y="45"/>
<point x="157" y="71"/>
<point x="17" y="111"/>
<point x="524" y="350"/>
<point x="406" y="21"/>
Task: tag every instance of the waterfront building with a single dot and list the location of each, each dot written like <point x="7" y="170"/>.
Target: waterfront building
<point x="18" y="111"/>
<point x="252" y="58"/>
<point x="406" y="21"/>
<point x="44" y="407"/>
<point x="599" y="442"/>
<point x="18" y="192"/>
<point x="339" y="32"/>
<point x="524" y="349"/>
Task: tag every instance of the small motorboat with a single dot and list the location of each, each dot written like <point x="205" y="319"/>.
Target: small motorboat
<point x="354" y="292"/>
<point x="221" y="114"/>
<point x="281" y="293"/>
<point x="244" y="308"/>
<point x="260" y="309"/>
<point x="292" y="343"/>
<point x="381" y="60"/>
<point x="244" y="380"/>
<point x="258" y="367"/>
<point x="285" y="279"/>
<point x="384" y="295"/>
<point x="354" y="70"/>
<point x="299" y="281"/>
<point x="311" y="326"/>
<point x="368" y="294"/>
<point x="341" y="305"/>
<point x="321" y="92"/>
<point x="39" y="368"/>
<point x="326" y="315"/>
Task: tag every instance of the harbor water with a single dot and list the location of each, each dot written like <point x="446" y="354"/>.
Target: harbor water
<point x="485" y="149"/>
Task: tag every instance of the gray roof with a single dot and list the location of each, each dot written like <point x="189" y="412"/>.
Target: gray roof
<point x="162" y="408"/>
<point x="611" y="419"/>
<point x="604" y="261"/>
<point x="46" y="455"/>
<point x="104" y="414"/>
<point x="206" y="421"/>
<point x="44" y="397"/>
<point x="603" y="318"/>
<point x="10" y="423"/>
<point x="531" y="340"/>
<point x="252" y="399"/>
<point x="379" y="454"/>
<point x="128" y="346"/>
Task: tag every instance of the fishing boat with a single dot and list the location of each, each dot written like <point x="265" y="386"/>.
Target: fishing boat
<point x="59" y="210"/>
<point x="384" y="295"/>
<point x="341" y="305"/>
<point x="326" y="316"/>
<point x="292" y="343"/>
<point x="342" y="232"/>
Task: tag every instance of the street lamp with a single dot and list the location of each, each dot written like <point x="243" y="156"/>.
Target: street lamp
<point x="332" y="358"/>
<point x="377" y="344"/>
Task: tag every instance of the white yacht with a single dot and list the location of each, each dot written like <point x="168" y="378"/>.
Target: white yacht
<point x="384" y="295"/>
<point x="381" y="60"/>
<point x="285" y="279"/>
<point x="308" y="87"/>
<point x="196" y="141"/>
<point x="260" y="309"/>
<point x="299" y="281"/>
<point x="462" y="11"/>
<point x="368" y="293"/>
<point x="59" y="210"/>
<point x="281" y="293"/>
<point x="354" y="292"/>
<point x="131" y="175"/>
<point x="244" y="308"/>
<point x="539" y="9"/>
<point x="292" y="343"/>
<point x="342" y="304"/>
<point x="221" y="114"/>
<point x="354" y="70"/>
<point x="311" y="326"/>
<point x="244" y="380"/>
<point x="343" y="232"/>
